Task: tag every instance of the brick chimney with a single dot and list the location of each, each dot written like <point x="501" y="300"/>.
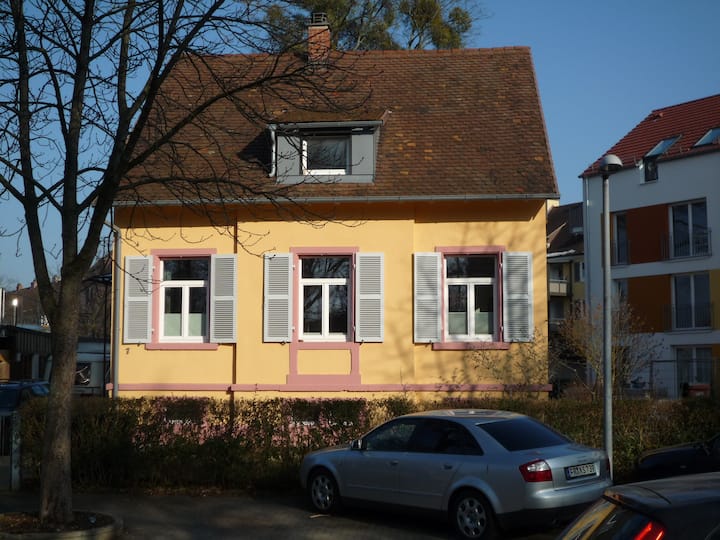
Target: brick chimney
<point x="318" y="39"/>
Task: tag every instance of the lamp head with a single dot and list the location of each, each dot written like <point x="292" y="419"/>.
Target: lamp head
<point x="610" y="164"/>
<point x="14" y="302"/>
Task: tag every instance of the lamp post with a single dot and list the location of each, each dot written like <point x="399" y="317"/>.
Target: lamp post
<point x="609" y="164"/>
<point x="15" y="305"/>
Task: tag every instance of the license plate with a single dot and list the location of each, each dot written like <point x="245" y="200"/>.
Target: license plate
<point x="577" y="471"/>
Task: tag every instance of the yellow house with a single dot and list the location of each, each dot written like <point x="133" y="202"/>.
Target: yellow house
<point x="364" y="247"/>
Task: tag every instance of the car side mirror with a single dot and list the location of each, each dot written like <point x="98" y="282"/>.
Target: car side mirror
<point x="357" y="444"/>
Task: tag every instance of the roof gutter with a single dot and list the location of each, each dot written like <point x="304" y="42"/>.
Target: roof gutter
<point x="379" y="199"/>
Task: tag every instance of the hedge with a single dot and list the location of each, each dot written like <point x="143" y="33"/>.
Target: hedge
<point x="190" y="443"/>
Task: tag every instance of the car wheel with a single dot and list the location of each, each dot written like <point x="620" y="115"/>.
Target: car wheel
<point x="323" y="491"/>
<point x="471" y="516"/>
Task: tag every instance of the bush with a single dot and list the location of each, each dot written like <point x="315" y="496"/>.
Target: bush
<point x="188" y="443"/>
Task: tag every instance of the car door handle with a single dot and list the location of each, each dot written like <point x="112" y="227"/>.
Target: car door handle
<point x="394" y="462"/>
<point x="447" y="466"/>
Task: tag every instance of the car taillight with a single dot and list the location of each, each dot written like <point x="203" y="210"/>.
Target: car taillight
<point x="536" y="471"/>
<point x="651" y="531"/>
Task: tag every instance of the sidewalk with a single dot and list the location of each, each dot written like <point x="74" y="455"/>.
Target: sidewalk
<point x="183" y="517"/>
<point x="273" y="516"/>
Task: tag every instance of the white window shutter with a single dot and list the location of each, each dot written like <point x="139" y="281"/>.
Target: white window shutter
<point x="138" y="295"/>
<point x="223" y="299"/>
<point x="427" y="281"/>
<point x="518" y="296"/>
<point x="277" y="298"/>
<point x="369" y="297"/>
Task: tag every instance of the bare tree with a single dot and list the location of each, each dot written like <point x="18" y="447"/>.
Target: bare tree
<point x="82" y="106"/>
<point x="581" y="336"/>
<point x="521" y="370"/>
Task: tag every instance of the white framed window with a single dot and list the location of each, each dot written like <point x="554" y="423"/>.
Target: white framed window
<point x="470" y="290"/>
<point x="689" y="234"/>
<point x="340" y="297"/>
<point x="184" y="299"/>
<point x="194" y="298"/>
<point x="472" y="297"/>
<point x="326" y="154"/>
<point x="324" y="298"/>
<point x="691" y="305"/>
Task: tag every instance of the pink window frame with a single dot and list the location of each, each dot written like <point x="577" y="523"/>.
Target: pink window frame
<point x="158" y="255"/>
<point x="499" y="344"/>
<point x="297" y="345"/>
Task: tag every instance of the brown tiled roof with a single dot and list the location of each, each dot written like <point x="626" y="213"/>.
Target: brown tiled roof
<point x="690" y="120"/>
<point x="456" y="124"/>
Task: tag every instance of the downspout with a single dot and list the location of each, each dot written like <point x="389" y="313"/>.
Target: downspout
<point x="273" y="147"/>
<point x="115" y="350"/>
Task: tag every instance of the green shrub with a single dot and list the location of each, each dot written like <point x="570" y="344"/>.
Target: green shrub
<point x="249" y="444"/>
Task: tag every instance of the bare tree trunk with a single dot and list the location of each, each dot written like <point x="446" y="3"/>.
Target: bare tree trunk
<point x="56" y="480"/>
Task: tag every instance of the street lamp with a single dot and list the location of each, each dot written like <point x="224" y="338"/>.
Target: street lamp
<point x="15" y="305"/>
<point x="609" y="164"/>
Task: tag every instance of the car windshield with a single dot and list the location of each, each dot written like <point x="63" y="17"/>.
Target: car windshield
<point x="523" y="434"/>
<point x="8" y="398"/>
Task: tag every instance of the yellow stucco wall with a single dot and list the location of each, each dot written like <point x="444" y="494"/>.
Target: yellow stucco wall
<point x="398" y="230"/>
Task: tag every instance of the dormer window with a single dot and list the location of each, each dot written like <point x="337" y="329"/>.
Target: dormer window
<point x="650" y="159"/>
<point x="712" y="136"/>
<point x="328" y="152"/>
<point x="324" y="154"/>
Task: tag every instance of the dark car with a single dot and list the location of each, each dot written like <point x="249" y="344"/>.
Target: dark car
<point x="682" y="507"/>
<point x="691" y="458"/>
<point x="14" y="393"/>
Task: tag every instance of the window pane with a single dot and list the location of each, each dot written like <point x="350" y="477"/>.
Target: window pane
<point x="683" y="306"/>
<point x="621" y="244"/>
<point x="681" y="231"/>
<point x="198" y="311"/>
<point x="702" y="300"/>
<point x="173" y="312"/>
<point x="700" y="245"/>
<point x="393" y="436"/>
<point x="484" y="317"/>
<point x="470" y="266"/>
<point x="338" y="322"/>
<point x="312" y="309"/>
<point x="177" y="269"/>
<point x="327" y="153"/>
<point x="457" y="309"/>
<point x="325" y="267"/>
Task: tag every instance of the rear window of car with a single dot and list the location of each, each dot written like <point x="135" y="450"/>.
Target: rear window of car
<point x="523" y="434"/>
<point x="608" y="521"/>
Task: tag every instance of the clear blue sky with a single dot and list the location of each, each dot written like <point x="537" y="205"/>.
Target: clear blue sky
<point x="601" y="68"/>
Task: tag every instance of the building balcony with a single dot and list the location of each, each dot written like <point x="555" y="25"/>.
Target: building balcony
<point x="558" y="287"/>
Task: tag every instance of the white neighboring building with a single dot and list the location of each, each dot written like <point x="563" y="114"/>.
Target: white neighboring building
<point x="664" y="204"/>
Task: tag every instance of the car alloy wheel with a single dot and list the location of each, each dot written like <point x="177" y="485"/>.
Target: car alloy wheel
<point x="323" y="491"/>
<point x="472" y="516"/>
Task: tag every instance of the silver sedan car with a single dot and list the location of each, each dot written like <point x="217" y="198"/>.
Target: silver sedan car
<point x="484" y="469"/>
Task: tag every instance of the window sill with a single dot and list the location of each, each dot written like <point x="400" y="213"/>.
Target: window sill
<point x="471" y="346"/>
<point x="181" y="346"/>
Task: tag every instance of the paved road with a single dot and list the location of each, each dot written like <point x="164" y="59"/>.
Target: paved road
<point x="182" y="517"/>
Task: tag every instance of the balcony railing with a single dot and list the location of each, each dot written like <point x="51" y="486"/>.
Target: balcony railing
<point x="681" y="317"/>
<point x="697" y="244"/>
